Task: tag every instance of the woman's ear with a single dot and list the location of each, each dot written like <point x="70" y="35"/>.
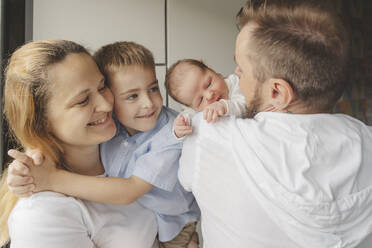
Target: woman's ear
<point x="281" y="93"/>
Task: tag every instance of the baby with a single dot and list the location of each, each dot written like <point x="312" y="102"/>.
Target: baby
<point x="199" y="88"/>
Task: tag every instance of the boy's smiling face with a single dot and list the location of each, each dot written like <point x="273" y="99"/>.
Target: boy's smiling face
<point x="197" y="88"/>
<point x="137" y="97"/>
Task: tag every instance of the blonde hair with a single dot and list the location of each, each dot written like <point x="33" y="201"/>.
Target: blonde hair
<point x="26" y="95"/>
<point x="111" y="57"/>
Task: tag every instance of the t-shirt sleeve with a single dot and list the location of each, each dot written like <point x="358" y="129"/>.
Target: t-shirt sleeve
<point x="48" y="222"/>
<point x="159" y="165"/>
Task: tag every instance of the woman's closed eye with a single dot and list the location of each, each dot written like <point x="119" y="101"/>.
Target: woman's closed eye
<point x="83" y="102"/>
<point x="103" y="88"/>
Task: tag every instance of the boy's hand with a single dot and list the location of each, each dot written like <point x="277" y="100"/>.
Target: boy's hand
<point x="213" y="111"/>
<point x="181" y="126"/>
<point x="19" y="179"/>
<point x="31" y="164"/>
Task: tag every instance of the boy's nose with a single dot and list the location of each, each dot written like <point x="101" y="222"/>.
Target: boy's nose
<point x="147" y="101"/>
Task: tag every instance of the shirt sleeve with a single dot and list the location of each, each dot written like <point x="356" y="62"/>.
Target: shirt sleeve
<point x="236" y="105"/>
<point x="159" y="165"/>
<point x="48" y="222"/>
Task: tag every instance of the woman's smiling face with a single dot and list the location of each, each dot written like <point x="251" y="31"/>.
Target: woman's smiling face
<point x="79" y="110"/>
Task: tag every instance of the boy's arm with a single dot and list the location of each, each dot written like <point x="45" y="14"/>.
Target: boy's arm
<point x="110" y="190"/>
<point x="100" y="189"/>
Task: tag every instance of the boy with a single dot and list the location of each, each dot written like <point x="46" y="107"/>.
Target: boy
<point x="198" y="87"/>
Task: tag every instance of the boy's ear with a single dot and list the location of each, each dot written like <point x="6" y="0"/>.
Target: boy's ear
<point x="281" y="93"/>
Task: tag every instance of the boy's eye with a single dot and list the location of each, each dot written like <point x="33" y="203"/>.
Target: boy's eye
<point x="83" y="102"/>
<point x="154" y="89"/>
<point x="209" y="84"/>
<point x="132" y="97"/>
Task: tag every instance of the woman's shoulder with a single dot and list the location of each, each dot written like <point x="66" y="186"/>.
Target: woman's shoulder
<point x="48" y="219"/>
<point x="40" y="206"/>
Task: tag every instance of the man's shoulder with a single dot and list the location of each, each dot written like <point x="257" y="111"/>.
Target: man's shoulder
<point x="218" y="131"/>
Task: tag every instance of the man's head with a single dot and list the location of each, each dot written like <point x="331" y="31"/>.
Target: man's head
<point x="129" y="69"/>
<point x="194" y="84"/>
<point x="292" y="59"/>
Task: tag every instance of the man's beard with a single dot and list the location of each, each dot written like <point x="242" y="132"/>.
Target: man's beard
<point x="253" y="107"/>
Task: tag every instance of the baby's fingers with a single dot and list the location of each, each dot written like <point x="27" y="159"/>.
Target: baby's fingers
<point x="214" y="116"/>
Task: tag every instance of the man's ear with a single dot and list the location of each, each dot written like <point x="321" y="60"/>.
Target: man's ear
<point x="281" y="93"/>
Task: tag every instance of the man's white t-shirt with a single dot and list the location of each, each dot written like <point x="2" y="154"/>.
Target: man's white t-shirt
<point x="53" y="220"/>
<point x="281" y="180"/>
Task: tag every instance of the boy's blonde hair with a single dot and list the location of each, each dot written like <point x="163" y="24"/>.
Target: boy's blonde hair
<point x="171" y="78"/>
<point x="112" y="57"/>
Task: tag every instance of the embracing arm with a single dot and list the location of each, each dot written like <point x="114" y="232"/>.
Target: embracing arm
<point x="110" y="190"/>
<point x="46" y="177"/>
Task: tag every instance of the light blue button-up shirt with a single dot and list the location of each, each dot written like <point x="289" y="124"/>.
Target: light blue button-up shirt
<point x="153" y="156"/>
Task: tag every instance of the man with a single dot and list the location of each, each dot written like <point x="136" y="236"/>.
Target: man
<point x="292" y="174"/>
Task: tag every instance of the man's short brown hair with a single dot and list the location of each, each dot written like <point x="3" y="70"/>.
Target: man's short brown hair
<point x="111" y="57"/>
<point x="305" y="45"/>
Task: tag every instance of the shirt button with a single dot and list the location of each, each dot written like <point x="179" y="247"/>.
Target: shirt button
<point x="126" y="143"/>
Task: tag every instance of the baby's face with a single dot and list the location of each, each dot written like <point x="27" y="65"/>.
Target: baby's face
<point x="199" y="88"/>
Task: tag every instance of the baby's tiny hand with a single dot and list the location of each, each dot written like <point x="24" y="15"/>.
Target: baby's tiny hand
<point x="213" y="111"/>
<point x="181" y="126"/>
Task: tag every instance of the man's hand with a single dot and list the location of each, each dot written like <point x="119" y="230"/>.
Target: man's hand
<point x="214" y="110"/>
<point x="181" y="126"/>
<point x="29" y="172"/>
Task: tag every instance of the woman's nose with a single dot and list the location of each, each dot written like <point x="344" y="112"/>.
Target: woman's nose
<point x="104" y="102"/>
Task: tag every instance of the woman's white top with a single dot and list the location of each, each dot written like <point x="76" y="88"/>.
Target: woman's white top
<point x="53" y="220"/>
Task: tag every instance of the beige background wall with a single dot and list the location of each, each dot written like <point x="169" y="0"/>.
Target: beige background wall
<point x="195" y="28"/>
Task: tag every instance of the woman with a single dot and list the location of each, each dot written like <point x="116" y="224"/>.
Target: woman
<point x="56" y="101"/>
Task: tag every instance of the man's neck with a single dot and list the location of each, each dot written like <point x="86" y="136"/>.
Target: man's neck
<point x="297" y="107"/>
<point x="84" y="160"/>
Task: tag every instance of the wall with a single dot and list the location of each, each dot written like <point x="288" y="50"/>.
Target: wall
<point x="171" y="29"/>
